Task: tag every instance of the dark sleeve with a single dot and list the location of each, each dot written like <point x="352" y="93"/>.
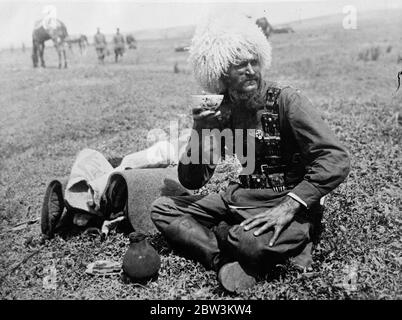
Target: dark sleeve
<point x="194" y="174"/>
<point x="327" y="161"/>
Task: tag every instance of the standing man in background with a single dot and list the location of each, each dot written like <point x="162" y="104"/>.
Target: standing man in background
<point x="100" y="45"/>
<point x="119" y="45"/>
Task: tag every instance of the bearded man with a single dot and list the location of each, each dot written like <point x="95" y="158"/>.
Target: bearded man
<point x="272" y="213"/>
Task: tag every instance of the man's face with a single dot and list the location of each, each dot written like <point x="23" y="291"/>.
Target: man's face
<point x="244" y="77"/>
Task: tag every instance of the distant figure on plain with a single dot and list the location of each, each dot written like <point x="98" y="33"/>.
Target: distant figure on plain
<point x="283" y="30"/>
<point x="268" y="29"/>
<point x="23" y="47"/>
<point x="131" y="42"/>
<point x="80" y="39"/>
<point x="49" y="28"/>
<point x="119" y="45"/>
<point x="100" y="45"/>
<point x="265" y="26"/>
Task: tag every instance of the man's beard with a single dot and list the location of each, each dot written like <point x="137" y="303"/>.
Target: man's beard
<point x="251" y="101"/>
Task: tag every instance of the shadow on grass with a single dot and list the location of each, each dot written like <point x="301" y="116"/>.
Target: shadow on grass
<point x="160" y="244"/>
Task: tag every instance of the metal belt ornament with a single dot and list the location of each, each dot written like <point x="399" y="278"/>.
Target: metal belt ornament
<point x="270" y="169"/>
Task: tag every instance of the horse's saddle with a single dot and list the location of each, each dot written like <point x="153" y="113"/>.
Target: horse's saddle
<point x="48" y="24"/>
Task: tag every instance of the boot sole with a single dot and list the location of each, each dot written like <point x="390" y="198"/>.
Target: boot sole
<point x="52" y="208"/>
<point x="234" y="279"/>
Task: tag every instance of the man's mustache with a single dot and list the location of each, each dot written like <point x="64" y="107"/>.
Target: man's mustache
<point x="250" y="78"/>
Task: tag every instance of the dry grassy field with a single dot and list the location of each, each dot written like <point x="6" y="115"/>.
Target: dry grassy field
<point x="48" y="115"/>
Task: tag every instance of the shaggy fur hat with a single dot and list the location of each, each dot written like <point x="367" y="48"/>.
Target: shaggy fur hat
<point x="223" y="40"/>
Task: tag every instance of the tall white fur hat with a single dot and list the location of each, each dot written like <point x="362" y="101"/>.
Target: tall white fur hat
<point x="223" y="40"/>
<point x="49" y="11"/>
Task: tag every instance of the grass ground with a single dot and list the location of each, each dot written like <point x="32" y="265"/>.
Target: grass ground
<point x="48" y="115"/>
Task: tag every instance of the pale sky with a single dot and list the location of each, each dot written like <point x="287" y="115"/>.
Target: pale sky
<point x="17" y="17"/>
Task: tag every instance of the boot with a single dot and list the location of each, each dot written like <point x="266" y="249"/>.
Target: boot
<point x="114" y="199"/>
<point x="225" y="256"/>
<point x="54" y="216"/>
<point x="194" y="240"/>
<point x="304" y="260"/>
<point x="234" y="278"/>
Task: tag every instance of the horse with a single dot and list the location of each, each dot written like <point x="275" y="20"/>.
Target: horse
<point x="80" y="39"/>
<point x="40" y="35"/>
<point x="182" y="48"/>
<point x="283" y="30"/>
<point x="265" y="26"/>
<point x="131" y="42"/>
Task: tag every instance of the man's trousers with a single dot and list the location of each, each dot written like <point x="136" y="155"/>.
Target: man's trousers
<point x="193" y="225"/>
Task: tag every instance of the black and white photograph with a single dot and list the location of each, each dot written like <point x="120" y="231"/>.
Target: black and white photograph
<point x="229" y="151"/>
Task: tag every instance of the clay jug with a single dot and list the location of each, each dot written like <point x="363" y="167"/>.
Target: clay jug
<point x="141" y="261"/>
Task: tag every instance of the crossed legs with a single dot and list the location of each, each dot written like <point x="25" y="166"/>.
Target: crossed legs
<point x="191" y="225"/>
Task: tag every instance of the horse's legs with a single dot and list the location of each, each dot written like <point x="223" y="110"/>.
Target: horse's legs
<point x="35" y="54"/>
<point x="58" y="49"/>
<point x="65" y="57"/>
<point x="41" y="52"/>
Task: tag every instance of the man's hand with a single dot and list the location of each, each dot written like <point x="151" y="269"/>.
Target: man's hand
<point x="205" y="118"/>
<point x="277" y="218"/>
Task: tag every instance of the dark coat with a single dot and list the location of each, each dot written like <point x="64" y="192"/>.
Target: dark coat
<point x="100" y="41"/>
<point x="316" y="162"/>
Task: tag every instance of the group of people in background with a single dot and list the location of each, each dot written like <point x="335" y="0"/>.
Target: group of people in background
<point x="100" y="44"/>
